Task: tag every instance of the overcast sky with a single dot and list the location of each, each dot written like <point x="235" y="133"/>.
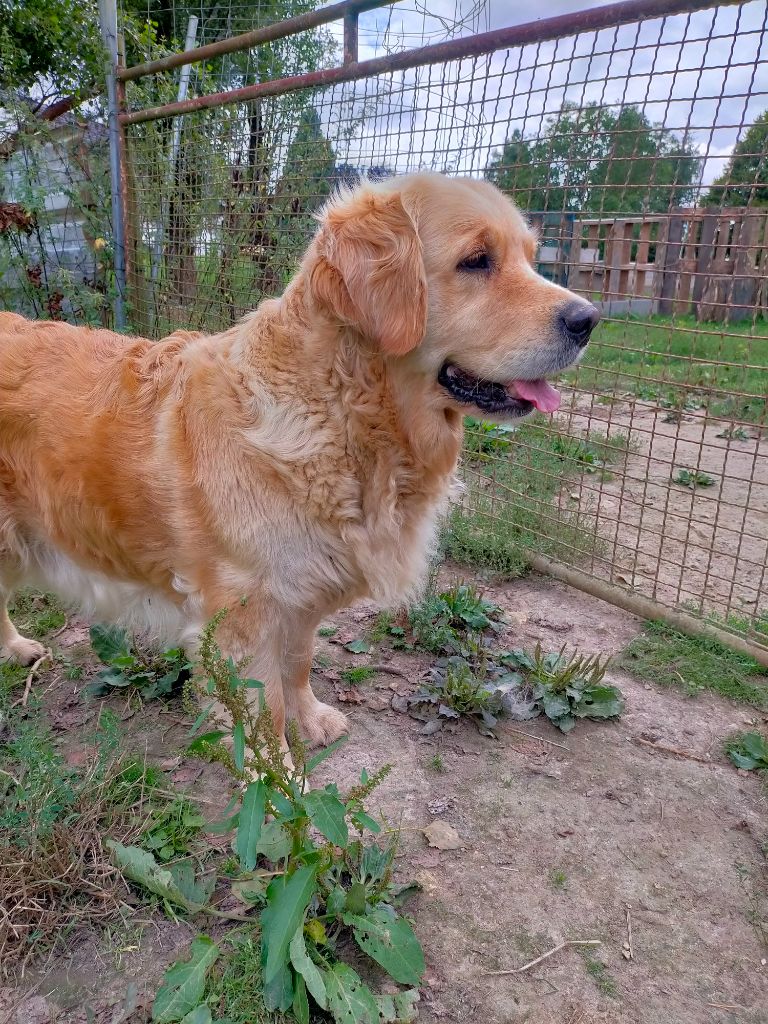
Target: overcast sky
<point x="705" y="74"/>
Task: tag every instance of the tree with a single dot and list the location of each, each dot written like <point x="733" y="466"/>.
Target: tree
<point x="49" y="47"/>
<point x="306" y="179"/>
<point x="745" y="179"/>
<point x="596" y="159"/>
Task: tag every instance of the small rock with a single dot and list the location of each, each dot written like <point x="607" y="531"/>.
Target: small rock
<point x="439" y="806"/>
<point x="442" y="836"/>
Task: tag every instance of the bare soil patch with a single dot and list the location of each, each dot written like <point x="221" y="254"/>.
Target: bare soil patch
<point x="706" y="545"/>
<point x="556" y="844"/>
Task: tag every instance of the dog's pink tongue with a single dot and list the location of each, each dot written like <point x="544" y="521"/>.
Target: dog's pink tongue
<point x="540" y="392"/>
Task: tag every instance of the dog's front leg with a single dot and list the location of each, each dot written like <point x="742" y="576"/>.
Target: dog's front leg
<point x="319" y="723"/>
<point x="252" y="634"/>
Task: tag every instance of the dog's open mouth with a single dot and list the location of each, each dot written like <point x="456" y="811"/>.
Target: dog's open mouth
<point x="517" y="398"/>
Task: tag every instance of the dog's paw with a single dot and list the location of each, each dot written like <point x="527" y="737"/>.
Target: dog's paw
<point x="22" y="651"/>
<point x="321" y="724"/>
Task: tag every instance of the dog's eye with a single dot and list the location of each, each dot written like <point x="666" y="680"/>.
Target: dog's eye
<point x="477" y="261"/>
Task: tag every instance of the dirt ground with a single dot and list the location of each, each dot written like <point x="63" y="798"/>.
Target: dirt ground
<point x="664" y="539"/>
<point x="562" y="838"/>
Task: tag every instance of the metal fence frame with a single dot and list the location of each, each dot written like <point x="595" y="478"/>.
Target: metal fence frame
<point x="614" y="15"/>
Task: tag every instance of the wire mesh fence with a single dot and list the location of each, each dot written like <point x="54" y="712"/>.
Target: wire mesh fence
<point x="639" y="150"/>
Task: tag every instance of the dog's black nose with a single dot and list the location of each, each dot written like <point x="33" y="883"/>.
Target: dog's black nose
<point x="578" y="319"/>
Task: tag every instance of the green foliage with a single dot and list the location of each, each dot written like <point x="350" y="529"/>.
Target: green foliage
<point x="593" y="453"/>
<point x="596" y="159"/>
<point x="733" y="434"/>
<point x="482" y="439"/>
<point x="176" y="884"/>
<point x="662" y="655"/>
<point x="748" y="750"/>
<point x="127" y="666"/>
<point x="558" y="879"/>
<point x="37" y="614"/>
<point x="52" y="44"/>
<point x="745" y="179"/>
<point x="234" y="989"/>
<point x="321" y="890"/>
<point x="447" y="622"/>
<point x="693" y="478"/>
<point x="437" y="764"/>
<point x="171" y="829"/>
<point x="566" y="688"/>
<point x="184" y="983"/>
<point x="54" y="166"/>
<point x="47" y="792"/>
<point x="482" y="684"/>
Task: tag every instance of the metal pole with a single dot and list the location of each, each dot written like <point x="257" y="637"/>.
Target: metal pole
<point x="108" y="24"/>
<point x="184" y="76"/>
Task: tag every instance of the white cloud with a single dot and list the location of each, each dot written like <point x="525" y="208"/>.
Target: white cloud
<point x="704" y="74"/>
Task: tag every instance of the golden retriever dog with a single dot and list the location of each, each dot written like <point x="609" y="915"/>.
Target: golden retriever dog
<point x="294" y="463"/>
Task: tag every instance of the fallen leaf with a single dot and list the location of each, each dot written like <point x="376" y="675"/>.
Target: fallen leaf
<point x="169" y="763"/>
<point x="442" y="836"/>
<point x="187" y="773"/>
<point x="72" y="714"/>
<point x="358" y="646"/>
<point x="377" y="702"/>
<point x="344" y="636"/>
<point x="399" y="703"/>
<point x="76" y="758"/>
<point x="351" y="696"/>
<point x="399" y="686"/>
<point x="431" y="727"/>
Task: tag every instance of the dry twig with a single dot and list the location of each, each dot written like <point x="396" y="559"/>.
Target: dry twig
<point x="388" y="670"/>
<point x="28" y="685"/>
<point x="545" y="956"/>
<point x="629" y="953"/>
<point x="672" y="750"/>
<point x="531" y="736"/>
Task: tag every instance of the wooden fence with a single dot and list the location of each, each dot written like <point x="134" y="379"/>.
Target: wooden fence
<point x="708" y="262"/>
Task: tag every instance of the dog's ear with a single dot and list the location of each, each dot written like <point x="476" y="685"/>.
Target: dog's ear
<point x="370" y="273"/>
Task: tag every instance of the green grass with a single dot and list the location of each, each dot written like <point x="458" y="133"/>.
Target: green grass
<point x="234" y="990"/>
<point x="357" y="675"/>
<point x="651" y="357"/>
<point x="510" y="507"/>
<point x="558" y="880"/>
<point x="36" y="614"/>
<point x="11" y="678"/>
<point x="598" y="972"/>
<point x="662" y="655"/>
<point x="53" y="821"/>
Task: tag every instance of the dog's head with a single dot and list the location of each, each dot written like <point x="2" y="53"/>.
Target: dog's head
<point x="438" y="272"/>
